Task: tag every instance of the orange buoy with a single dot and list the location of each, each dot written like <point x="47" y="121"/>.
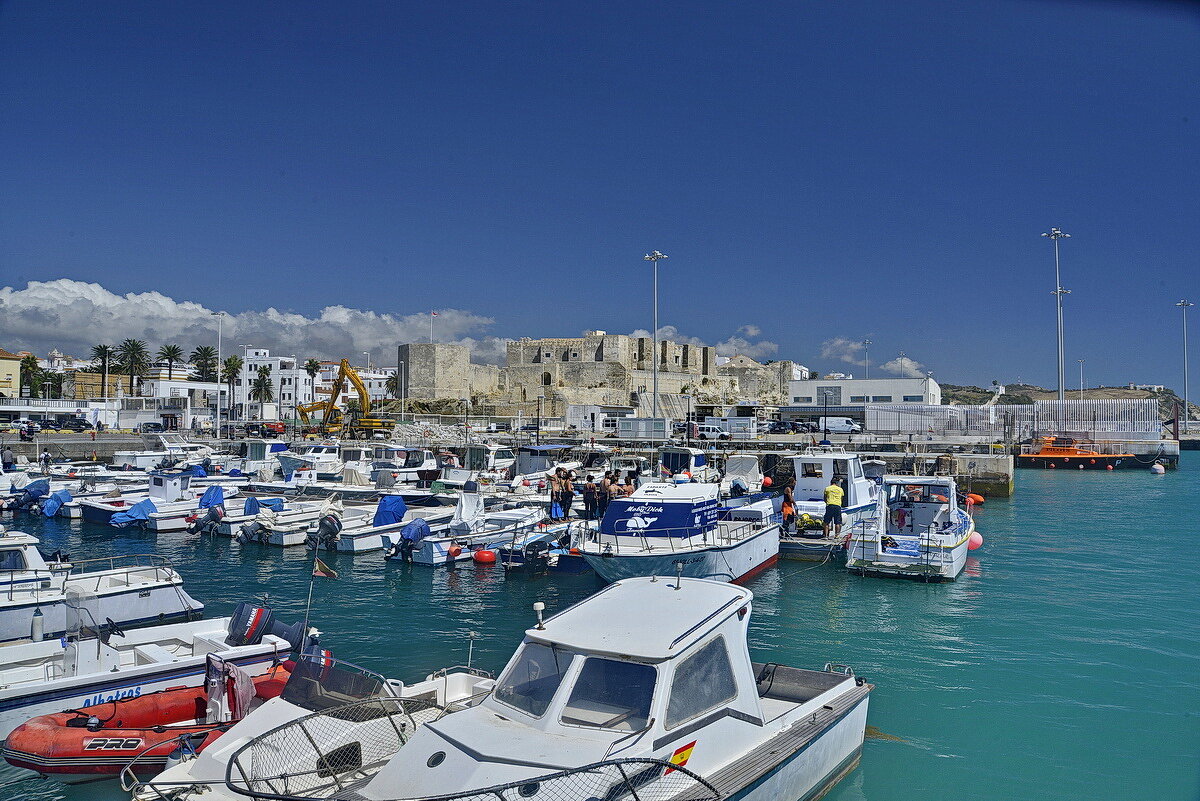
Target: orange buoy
<point x="1108" y="467"/>
<point x="975" y="541"/>
<point x="484" y="557"/>
<point x="767" y="481"/>
<point x="974" y="497"/>
<point x="454" y="551"/>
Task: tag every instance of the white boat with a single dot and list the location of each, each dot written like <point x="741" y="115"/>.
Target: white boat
<point x="538" y="462"/>
<point x="329" y="700"/>
<point x="646" y="690"/>
<point x="163" y="451"/>
<point x="228" y="522"/>
<point x="489" y="461"/>
<point x="169" y="503"/>
<point x="813" y="470"/>
<point x="680" y="460"/>
<point x="388" y="465"/>
<point x="37" y="594"/>
<point x="371" y="529"/>
<point x="321" y="460"/>
<point x="662" y="529"/>
<point x="742" y="475"/>
<point x="920" y="532"/>
<point x="471" y="528"/>
<point x="92" y="666"/>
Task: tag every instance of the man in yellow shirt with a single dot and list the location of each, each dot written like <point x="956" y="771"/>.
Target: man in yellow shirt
<point x="834" y="495"/>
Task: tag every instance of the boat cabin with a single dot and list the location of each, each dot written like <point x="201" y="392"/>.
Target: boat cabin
<point x="21" y="563"/>
<point x="674" y="460"/>
<point x="170" y="486"/>
<point x="919" y="504"/>
<point x="663" y="510"/>
<point x="815" y="468"/>
<point x="487" y="458"/>
<point x="538" y="459"/>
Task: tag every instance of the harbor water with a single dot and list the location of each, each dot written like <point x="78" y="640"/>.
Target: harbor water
<point x="1063" y="664"/>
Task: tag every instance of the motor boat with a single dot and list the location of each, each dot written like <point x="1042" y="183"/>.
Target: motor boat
<point x="37" y="592"/>
<point x="362" y="530"/>
<point x="169" y="502"/>
<point x="401" y="464"/>
<point x="742" y="475"/>
<point x="680" y="460"/>
<point x="1066" y="453"/>
<point x="472" y="527"/>
<point x="664" y="529"/>
<point x="99" y="664"/>
<point x="329" y="700"/>
<point x="321" y="460"/>
<point x="813" y="471"/>
<point x="920" y="532"/>
<point x="164" y="451"/>
<point x="645" y="690"/>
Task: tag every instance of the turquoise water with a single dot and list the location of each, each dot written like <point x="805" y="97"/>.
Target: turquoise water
<point x="1064" y="664"/>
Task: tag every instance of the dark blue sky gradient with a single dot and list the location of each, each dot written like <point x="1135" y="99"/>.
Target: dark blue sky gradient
<point x="816" y="169"/>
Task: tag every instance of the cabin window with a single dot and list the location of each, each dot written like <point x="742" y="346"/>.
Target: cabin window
<point x="12" y="560"/>
<point x="610" y="694"/>
<point x="703" y="681"/>
<point x="530" y="684"/>
<point x="414" y="459"/>
<point x="504" y="454"/>
<point x="676" y="462"/>
<point x="811" y="470"/>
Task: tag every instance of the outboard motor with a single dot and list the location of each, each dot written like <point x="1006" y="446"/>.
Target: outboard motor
<point x="410" y="539"/>
<point x="250" y="623"/>
<point x="207" y="523"/>
<point x="537" y="556"/>
<point x="254" y="531"/>
<point x="327" y="533"/>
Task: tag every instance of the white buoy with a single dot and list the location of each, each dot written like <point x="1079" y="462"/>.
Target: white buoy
<point x="1157" y="469"/>
<point x="37" y="629"/>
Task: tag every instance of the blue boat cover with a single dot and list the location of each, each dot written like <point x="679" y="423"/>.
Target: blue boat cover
<point x="55" y="501"/>
<point x="656" y="518"/>
<point x="138" y="513"/>
<point x="276" y="447"/>
<point x="415" y="531"/>
<point x="234" y="472"/>
<point x="213" y="496"/>
<point x="198" y="471"/>
<point x="391" y="509"/>
<point x="251" y="506"/>
<point x="36" y="489"/>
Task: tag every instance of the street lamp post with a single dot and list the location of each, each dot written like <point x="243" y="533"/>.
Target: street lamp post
<point x="867" y="358"/>
<point x="1080" y="378"/>
<point x="220" y="315"/>
<point x="538" y="431"/>
<point x="245" y="384"/>
<point x="1187" y="410"/>
<point x="1055" y="235"/>
<point x="653" y="257"/>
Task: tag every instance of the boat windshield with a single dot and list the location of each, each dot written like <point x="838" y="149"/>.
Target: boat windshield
<point x="610" y="694"/>
<point x="414" y="459"/>
<point x="535" y="676"/>
<point x="676" y="462"/>
<point x="322" y="682"/>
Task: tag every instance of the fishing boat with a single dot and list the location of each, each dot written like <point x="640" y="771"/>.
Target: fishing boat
<point x="646" y="690"/>
<point x="742" y="475"/>
<point x="1072" y="454"/>
<point x="664" y="529"/>
<point x="472" y="527"/>
<point x="96" y="742"/>
<point x="37" y="593"/>
<point x="329" y="700"/>
<point x="680" y="460"/>
<point x="920" y="532"/>
<point x="401" y="464"/>
<point x="166" y="506"/>
<point x="100" y="664"/>
<point x="813" y="471"/>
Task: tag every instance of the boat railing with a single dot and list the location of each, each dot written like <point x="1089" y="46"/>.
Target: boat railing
<point x="184" y="744"/>
<point x="18" y="583"/>
<point x="327" y="752"/>
<point x="641" y="779"/>
<point x="670" y="539"/>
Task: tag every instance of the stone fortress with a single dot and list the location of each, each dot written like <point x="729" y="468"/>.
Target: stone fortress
<point x="596" y="369"/>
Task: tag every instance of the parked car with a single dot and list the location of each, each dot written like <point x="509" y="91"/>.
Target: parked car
<point x="707" y="431"/>
<point x="232" y="431"/>
<point x="73" y="424"/>
<point x="497" y="427"/>
<point x="530" y="427"/>
<point x="151" y="428"/>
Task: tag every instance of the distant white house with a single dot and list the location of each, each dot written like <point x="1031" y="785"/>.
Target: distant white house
<point x="862" y="391"/>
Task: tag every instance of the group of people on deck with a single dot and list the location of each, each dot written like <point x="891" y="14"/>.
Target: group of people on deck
<point x="835" y="496"/>
<point x="596" y="494"/>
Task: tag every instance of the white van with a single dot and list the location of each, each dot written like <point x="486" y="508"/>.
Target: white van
<point x="838" y="425"/>
<point x="709" y="431"/>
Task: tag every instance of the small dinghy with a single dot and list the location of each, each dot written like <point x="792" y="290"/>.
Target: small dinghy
<point x="95" y="742"/>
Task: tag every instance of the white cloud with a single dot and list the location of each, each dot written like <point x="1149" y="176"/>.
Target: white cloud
<point x="846" y="350"/>
<point x="904" y="367"/>
<point x="737" y="343"/>
<point x="74" y="315"/>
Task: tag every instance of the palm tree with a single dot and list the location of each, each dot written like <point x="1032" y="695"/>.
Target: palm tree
<point x="170" y="354"/>
<point x="261" y="390"/>
<point x="204" y="358"/>
<point x="312" y="367"/>
<point x="105" y="355"/>
<point x="392" y="385"/>
<point x="31" y="375"/>
<point x="231" y="368"/>
<point x="133" y="357"/>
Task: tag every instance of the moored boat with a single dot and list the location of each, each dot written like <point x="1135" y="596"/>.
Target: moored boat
<point x="1066" y="453"/>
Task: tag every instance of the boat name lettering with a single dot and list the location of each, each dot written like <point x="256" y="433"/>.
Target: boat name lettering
<point x="113" y="744"/>
<point x="101" y="698"/>
<point x="643" y="508"/>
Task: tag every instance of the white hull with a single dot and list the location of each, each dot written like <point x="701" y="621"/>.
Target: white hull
<point x="736" y="562"/>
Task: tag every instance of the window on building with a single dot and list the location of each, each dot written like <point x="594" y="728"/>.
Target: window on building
<point x="858" y="398"/>
<point x="881" y="399"/>
<point x="802" y="399"/>
<point x="546" y="379"/>
<point x="913" y="398"/>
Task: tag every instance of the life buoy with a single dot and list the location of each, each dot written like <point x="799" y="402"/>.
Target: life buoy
<point x="427" y="433"/>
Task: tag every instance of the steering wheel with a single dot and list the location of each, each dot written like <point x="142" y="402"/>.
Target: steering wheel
<point x="113" y="628"/>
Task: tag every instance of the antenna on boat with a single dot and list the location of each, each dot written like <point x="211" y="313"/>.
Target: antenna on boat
<point x="539" y="607"/>
<point x="678" y="574"/>
<point x="471" y="635"/>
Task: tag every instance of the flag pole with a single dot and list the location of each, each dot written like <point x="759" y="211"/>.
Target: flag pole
<point x="312" y="577"/>
<point x="430" y="328"/>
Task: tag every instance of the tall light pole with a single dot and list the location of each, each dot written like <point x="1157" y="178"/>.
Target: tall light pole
<point x="246" y="385"/>
<point x="1187" y="410"/>
<point x="538" y="431"/>
<point x="220" y="315"/>
<point x="867" y="358"/>
<point x="653" y="257"/>
<point x="367" y="353"/>
<point x="1055" y="234"/>
<point x="1080" y="378"/>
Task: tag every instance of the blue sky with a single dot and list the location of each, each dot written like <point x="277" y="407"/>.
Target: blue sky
<point x="814" y="171"/>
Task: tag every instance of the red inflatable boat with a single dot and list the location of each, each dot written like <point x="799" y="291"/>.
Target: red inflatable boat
<point x="96" y="742"/>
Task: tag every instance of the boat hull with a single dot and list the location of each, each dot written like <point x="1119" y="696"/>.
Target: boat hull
<point x="133" y="605"/>
<point x="1097" y="462"/>
<point x="738" y="562"/>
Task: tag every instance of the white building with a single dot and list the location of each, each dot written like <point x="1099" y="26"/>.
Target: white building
<point x="374" y="380"/>
<point x="291" y="385"/>
<point x="858" y="392"/>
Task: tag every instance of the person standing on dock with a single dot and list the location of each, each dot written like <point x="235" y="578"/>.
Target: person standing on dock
<point x="589" y="499"/>
<point x="789" y="504"/>
<point x="7" y="459"/>
<point x="566" y="491"/>
<point x="834" y="495"/>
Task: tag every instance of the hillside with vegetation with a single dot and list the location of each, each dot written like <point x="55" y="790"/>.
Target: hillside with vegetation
<point x="954" y="394"/>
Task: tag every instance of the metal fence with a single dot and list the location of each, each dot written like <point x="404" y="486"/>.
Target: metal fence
<point x="1093" y="419"/>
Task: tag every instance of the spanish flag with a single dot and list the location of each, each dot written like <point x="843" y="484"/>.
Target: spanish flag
<point x="323" y="570"/>
<point x="681" y="756"/>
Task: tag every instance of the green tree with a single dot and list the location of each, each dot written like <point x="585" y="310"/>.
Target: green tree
<point x="261" y="390"/>
<point x="204" y="358"/>
<point x="231" y="368"/>
<point x="133" y="357"/>
<point x="312" y="367"/>
<point x="392" y="385"/>
<point x="171" y="354"/>
<point x="31" y="376"/>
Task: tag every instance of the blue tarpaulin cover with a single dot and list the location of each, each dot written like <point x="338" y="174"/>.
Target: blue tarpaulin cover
<point x="36" y="489"/>
<point x="276" y="447"/>
<point x="415" y="531"/>
<point x="198" y="471"/>
<point x="254" y="504"/>
<point x="138" y="513"/>
<point x="234" y="472"/>
<point x="391" y="509"/>
<point x="213" y="496"/>
<point x="55" y="501"/>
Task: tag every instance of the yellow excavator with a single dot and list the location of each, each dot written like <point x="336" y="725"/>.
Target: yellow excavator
<point x="361" y="424"/>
